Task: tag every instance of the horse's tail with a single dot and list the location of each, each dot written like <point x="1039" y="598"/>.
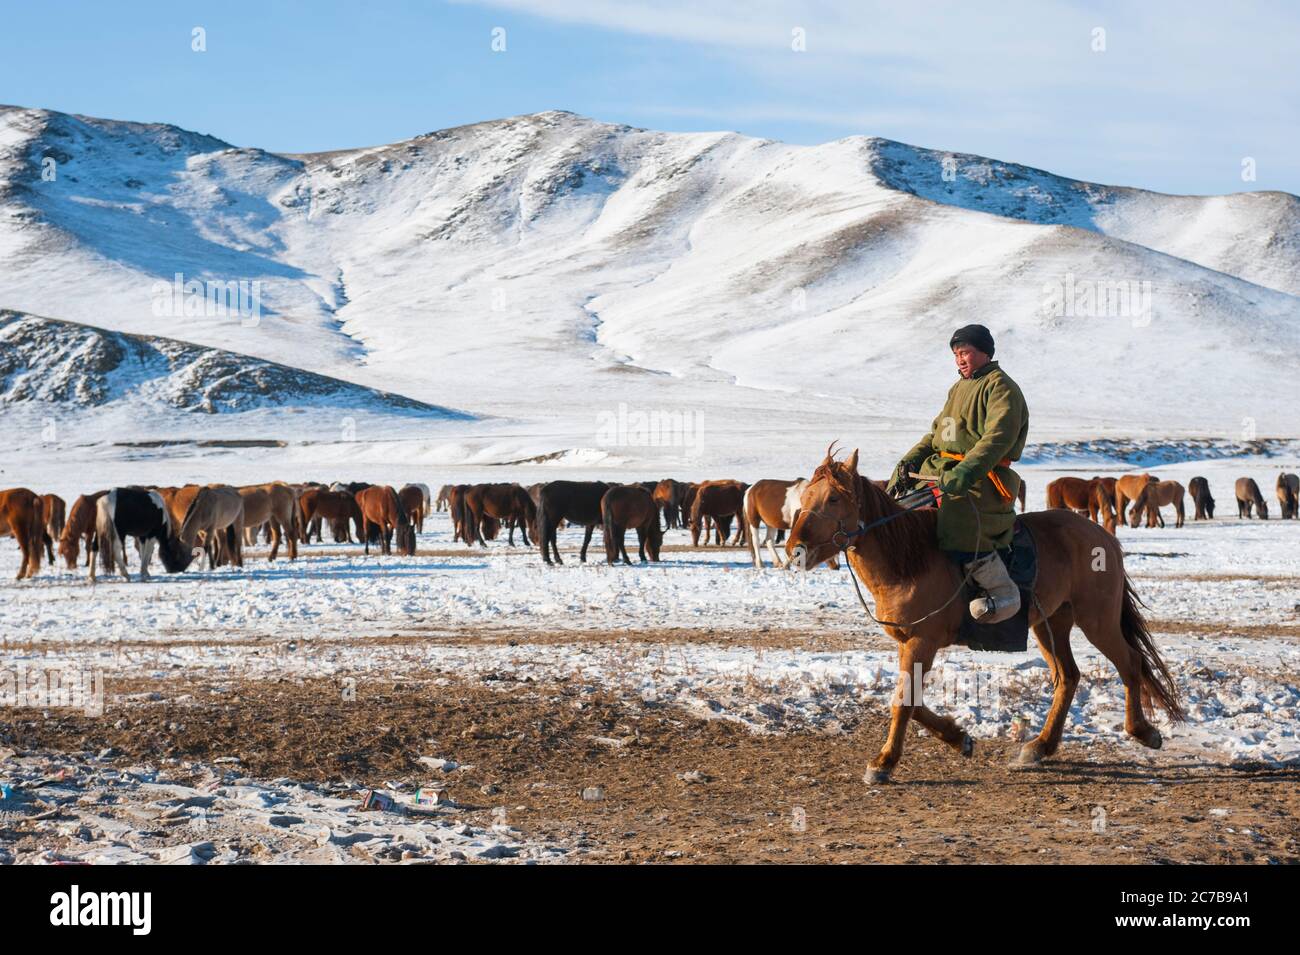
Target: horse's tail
<point x="1156" y="678"/>
<point x="607" y="523"/>
<point x="105" y="533"/>
<point x="468" y="524"/>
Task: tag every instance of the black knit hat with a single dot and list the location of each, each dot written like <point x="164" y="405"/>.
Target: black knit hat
<point x="977" y="336"/>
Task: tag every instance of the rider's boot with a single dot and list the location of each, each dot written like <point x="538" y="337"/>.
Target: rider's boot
<point x="1001" y="599"/>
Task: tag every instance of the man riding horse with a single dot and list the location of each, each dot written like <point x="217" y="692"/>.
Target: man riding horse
<point x="968" y="455"/>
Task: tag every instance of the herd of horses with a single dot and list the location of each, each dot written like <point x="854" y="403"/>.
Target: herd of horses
<point x="214" y="522"/>
<point x="1109" y="501"/>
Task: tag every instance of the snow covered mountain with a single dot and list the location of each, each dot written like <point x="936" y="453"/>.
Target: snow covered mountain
<point x="544" y="269"/>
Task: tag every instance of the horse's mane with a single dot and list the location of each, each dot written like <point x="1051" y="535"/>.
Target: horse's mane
<point x="906" y="544"/>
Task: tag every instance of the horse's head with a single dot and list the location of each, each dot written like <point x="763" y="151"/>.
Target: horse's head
<point x="830" y="506"/>
<point x="70" y="549"/>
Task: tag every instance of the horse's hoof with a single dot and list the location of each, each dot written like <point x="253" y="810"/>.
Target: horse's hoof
<point x="1030" y="757"/>
<point x="1150" y="737"/>
<point x="967" y="746"/>
<point x="876" y="777"/>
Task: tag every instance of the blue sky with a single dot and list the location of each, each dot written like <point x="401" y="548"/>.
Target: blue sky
<point x="1181" y="94"/>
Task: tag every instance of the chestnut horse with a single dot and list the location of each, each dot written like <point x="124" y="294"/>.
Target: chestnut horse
<point x="79" y="529"/>
<point x="918" y="594"/>
<point x="55" y="517"/>
<point x="668" y="496"/>
<point x="1155" y="496"/>
<point x="22" y="515"/>
<point x="720" y="501"/>
<point x="382" y="511"/>
<point x="1090" y="497"/>
<point x="1129" y="488"/>
<point x="1248" y="497"/>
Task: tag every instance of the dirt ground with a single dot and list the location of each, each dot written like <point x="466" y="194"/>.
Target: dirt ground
<point x="681" y="788"/>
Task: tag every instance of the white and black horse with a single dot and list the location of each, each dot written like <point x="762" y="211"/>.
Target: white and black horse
<point x="136" y="512"/>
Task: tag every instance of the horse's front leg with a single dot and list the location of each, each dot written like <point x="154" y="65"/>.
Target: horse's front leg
<point x="914" y="659"/>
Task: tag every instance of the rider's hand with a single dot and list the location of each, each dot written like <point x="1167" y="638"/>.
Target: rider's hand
<point x="901" y="482"/>
<point x="956" y="481"/>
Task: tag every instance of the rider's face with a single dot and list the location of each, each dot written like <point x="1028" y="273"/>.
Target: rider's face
<point x="969" y="359"/>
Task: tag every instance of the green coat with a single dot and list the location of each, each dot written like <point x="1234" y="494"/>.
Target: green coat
<point x="986" y="419"/>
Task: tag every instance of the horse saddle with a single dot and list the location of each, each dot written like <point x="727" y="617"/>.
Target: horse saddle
<point x="1010" y="635"/>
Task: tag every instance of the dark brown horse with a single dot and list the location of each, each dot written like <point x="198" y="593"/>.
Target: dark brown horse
<point x="630" y="506"/>
<point x="914" y="583"/>
<point x="79" y="529"/>
<point x="1199" y="489"/>
<point x="508" y="503"/>
<point x="1288" y="495"/>
<point x="413" y="498"/>
<point x="22" y="516"/>
<point x="382" y="511"/>
<point x="577" y="502"/>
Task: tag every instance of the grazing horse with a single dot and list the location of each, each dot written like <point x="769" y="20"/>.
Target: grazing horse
<point x="1248" y="497"/>
<point x="910" y="579"/>
<point x="1129" y="488"/>
<point x="1288" y="495"/>
<point x="79" y="529"/>
<point x="774" y="503"/>
<point x="630" y="506"/>
<point x="1199" y="489"/>
<point x="719" y="500"/>
<point x="273" y="505"/>
<point x="503" y="502"/>
<point x="140" y="513"/>
<point x="443" y="501"/>
<point x="426" y="505"/>
<point x="1155" y="496"/>
<point x="415" y="499"/>
<point x="337" y="507"/>
<point x="22" y="516"/>
<point x="383" y="513"/>
<point x="577" y="502"/>
<point x="217" y="512"/>
<point x="668" y="497"/>
<point x="1092" y="497"/>
<point x="55" y="517"/>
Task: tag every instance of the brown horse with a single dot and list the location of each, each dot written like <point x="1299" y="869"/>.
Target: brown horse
<point x="318" y="503"/>
<point x="1248" y="498"/>
<point x="22" y="516"/>
<point x="413" y="497"/>
<point x="1288" y="495"/>
<point x="719" y="501"/>
<point x="1083" y="497"/>
<point x="382" y="511"/>
<point x="55" y="517"/>
<point x="1154" y="496"/>
<point x="627" y="506"/>
<point x="273" y="505"/>
<point x="502" y="502"/>
<point x="1127" y="489"/>
<point x="217" y="512"/>
<point x="79" y="529"/>
<point x="668" y="497"/>
<point x="1081" y="580"/>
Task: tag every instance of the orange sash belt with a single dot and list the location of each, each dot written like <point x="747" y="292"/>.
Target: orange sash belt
<point x="997" y="481"/>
